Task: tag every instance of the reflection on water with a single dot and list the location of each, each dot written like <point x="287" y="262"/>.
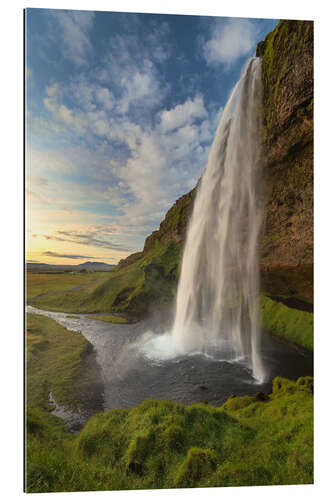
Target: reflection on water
<point x="129" y="376"/>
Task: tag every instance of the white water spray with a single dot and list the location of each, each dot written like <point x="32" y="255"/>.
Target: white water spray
<point x="218" y="292"/>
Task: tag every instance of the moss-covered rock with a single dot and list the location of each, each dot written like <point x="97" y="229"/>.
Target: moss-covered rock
<point x="292" y="324"/>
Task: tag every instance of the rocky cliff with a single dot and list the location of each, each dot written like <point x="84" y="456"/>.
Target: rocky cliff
<point x="287" y="246"/>
<point x="150" y="276"/>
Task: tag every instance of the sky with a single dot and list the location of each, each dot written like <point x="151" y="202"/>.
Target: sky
<point x="121" y="110"/>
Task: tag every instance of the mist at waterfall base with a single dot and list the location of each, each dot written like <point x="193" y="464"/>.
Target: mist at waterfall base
<point x="217" y="310"/>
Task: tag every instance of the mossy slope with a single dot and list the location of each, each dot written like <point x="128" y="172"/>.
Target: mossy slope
<point x="163" y="444"/>
<point x="287" y="322"/>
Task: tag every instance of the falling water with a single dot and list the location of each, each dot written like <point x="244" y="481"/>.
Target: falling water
<point x="217" y="297"/>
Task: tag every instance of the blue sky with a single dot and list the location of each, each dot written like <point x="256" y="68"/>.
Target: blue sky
<point x="121" y="111"/>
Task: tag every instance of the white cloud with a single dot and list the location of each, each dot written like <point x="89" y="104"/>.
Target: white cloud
<point x="105" y="97"/>
<point x="83" y="93"/>
<point x="53" y="90"/>
<point x="183" y="114"/>
<point x="141" y="88"/>
<point x="90" y="96"/>
<point x="53" y="93"/>
<point x="75" y="27"/>
<point x="39" y="162"/>
<point x="136" y="77"/>
<point x="230" y="40"/>
<point x="76" y="119"/>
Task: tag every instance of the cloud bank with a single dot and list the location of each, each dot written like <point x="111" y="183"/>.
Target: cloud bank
<point x="229" y="41"/>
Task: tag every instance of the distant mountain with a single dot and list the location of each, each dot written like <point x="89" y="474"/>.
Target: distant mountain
<point x="88" y="266"/>
<point x="95" y="265"/>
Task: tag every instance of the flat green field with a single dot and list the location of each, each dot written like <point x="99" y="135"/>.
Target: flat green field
<point x="63" y="291"/>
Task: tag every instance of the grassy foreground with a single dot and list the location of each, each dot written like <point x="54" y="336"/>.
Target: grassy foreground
<point x="161" y="444"/>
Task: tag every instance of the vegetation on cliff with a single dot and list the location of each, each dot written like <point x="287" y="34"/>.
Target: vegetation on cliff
<point x="259" y="440"/>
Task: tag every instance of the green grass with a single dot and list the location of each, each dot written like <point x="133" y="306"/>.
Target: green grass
<point x="109" y="319"/>
<point x="54" y="359"/>
<point x="292" y="324"/>
<point x="46" y="283"/>
<point x="59" y="292"/>
<point x="161" y="444"/>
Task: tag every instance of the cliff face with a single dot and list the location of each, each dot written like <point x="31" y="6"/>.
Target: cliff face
<point x="150" y="277"/>
<point x="287" y="246"/>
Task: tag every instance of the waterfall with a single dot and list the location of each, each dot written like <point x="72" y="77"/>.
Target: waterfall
<point x="218" y="291"/>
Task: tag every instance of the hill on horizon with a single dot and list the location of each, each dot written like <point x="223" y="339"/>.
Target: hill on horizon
<point x="89" y="265"/>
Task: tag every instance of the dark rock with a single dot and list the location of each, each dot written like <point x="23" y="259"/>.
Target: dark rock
<point x="136" y="468"/>
<point x="261" y="396"/>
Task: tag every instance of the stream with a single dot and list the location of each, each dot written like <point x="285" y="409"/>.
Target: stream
<point x="121" y="376"/>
